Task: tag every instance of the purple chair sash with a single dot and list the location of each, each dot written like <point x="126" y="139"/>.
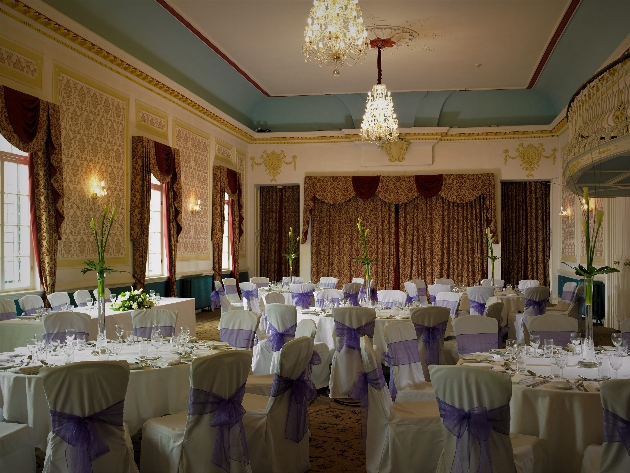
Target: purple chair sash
<point x="302" y="299"/>
<point x="215" y="298"/>
<point x="567" y="296"/>
<point x="559" y="338"/>
<point x="351" y="337"/>
<point x="230" y="289"/>
<point x="431" y="337"/>
<point x="315" y="360"/>
<point x="479" y="307"/>
<point x="626" y="336"/>
<point x="477" y="422"/>
<point x="145" y="332"/>
<point x="302" y="392"/>
<point x="85" y="441"/>
<point x="60" y="336"/>
<point x="57" y="308"/>
<point x="8" y="316"/>
<point x="353" y="297"/>
<point x="373" y="293"/>
<point x="277" y="339"/>
<point x="330" y="285"/>
<point x="616" y="429"/>
<point x="32" y="311"/>
<point x="82" y="304"/>
<point x="320" y="302"/>
<point x="250" y="295"/>
<point x="229" y="444"/>
<point x="451" y="305"/>
<point x="411" y="299"/>
<point x="476" y="342"/>
<point x="422" y="292"/>
<point x="400" y="353"/>
<point x="238" y="338"/>
<point x="432" y="298"/>
<point x="359" y="390"/>
<point x="538" y="307"/>
<point x="388" y="304"/>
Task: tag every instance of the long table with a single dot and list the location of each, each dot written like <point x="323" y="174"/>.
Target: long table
<point x="16" y="332"/>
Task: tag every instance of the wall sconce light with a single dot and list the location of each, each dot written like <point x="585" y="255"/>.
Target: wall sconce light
<point x="590" y="206"/>
<point x="98" y="189"/>
<point x="565" y="213"/>
<point x="194" y="208"/>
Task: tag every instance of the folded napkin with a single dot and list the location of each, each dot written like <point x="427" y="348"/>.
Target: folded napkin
<point x="592" y="387"/>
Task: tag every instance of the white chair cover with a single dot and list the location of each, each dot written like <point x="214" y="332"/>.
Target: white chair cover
<point x="422" y="291"/>
<point x="333" y="295"/>
<point x="231" y="290"/>
<point x="85" y="389"/>
<point x="407" y="382"/>
<point x="30" y="304"/>
<point x="430" y="317"/>
<point x="321" y="372"/>
<point x="143" y="320"/>
<point x="82" y="297"/>
<point x="461" y="389"/>
<point x="346" y="361"/>
<point x="297" y="280"/>
<point x="186" y="442"/>
<point x="567" y="291"/>
<point x="259" y="281"/>
<point x="226" y="305"/>
<point x="7" y="309"/>
<point x="525" y="283"/>
<point x="470" y="332"/>
<point x="270" y="451"/>
<point x="286" y="280"/>
<point x="392" y="297"/>
<point x="445" y="281"/>
<point x="274" y="298"/>
<point x="283" y="319"/>
<point x="56" y="324"/>
<point x="218" y="285"/>
<point x="358" y="280"/>
<point x="412" y="291"/>
<point x="450" y="300"/>
<point x="535" y="298"/>
<point x="401" y="437"/>
<point x="495" y="311"/>
<point x="328" y="282"/>
<point x="108" y="294"/>
<point x="249" y="291"/>
<point x="59" y="300"/>
<point x="435" y="289"/>
<point x="238" y="328"/>
<point x="488" y="283"/>
<point x="612" y="456"/>
<point x="553" y="326"/>
<point x="303" y="295"/>
<point x="17" y="448"/>
<point x="477" y="298"/>
<point x="351" y="292"/>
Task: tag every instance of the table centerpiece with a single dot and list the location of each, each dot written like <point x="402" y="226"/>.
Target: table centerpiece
<point x="366" y="261"/>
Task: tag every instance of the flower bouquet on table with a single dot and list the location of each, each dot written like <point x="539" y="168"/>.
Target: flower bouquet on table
<point x="366" y="261"/>
<point x="491" y="256"/>
<point x="292" y="250"/>
<point x="135" y="299"/>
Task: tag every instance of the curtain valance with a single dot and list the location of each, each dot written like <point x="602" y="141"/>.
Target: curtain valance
<point x="458" y="188"/>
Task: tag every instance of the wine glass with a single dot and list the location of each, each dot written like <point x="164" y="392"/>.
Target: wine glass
<point x="534" y="341"/>
<point x="616" y="339"/>
<point x="615" y="363"/>
<point x="31" y="345"/>
<point x="68" y="350"/>
<point x="120" y="331"/>
<point x="156" y="342"/>
<point x="561" y="362"/>
<point x="81" y="341"/>
<point x="70" y="335"/>
<point x="521" y="359"/>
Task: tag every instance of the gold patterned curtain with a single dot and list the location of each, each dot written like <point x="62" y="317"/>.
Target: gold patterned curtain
<point x="279" y="211"/>
<point x="34" y="126"/>
<point x="151" y="158"/>
<point x="526" y="231"/>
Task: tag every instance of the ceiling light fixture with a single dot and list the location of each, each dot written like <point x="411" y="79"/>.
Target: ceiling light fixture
<point x="380" y="124"/>
<point x="335" y="35"/>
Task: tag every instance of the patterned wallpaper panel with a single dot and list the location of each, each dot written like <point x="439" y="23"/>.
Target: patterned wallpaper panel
<point x="195" y="154"/>
<point x="569" y="200"/>
<point x="599" y="247"/>
<point x="241" y="158"/>
<point x="93" y="125"/>
<point x="20" y="63"/>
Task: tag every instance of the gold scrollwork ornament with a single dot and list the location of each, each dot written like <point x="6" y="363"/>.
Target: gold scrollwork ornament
<point x="273" y="162"/>
<point x="396" y="150"/>
<point x="529" y="156"/>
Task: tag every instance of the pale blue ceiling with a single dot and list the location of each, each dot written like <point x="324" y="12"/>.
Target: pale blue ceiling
<point x="145" y="30"/>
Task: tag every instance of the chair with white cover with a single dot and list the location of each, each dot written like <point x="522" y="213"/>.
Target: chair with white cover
<point x="30" y="304"/>
<point x="567" y="291"/>
<point x="535" y="300"/>
<point x="17" y="448"/>
<point x="7" y="309"/>
<point x="450" y="300"/>
<point x="328" y="282"/>
<point x="333" y="295"/>
<point x="612" y="456"/>
<point x="282" y="322"/>
<point x="82" y="297"/>
<point x="215" y="296"/>
<point x="227" y="305"/>
<point x="297" y="280"/>
<point x="399" y="437"/>
<point x="477" y="298"/>
<point x="358" y="280"/>
<point x="351" y="292"/>
<point x="488" y="283"/>
<point x="249" y="291"/>
<point x="392" y="297"/>
<point x="406" y="380"/>
<point x="56" y="324"/>
<point x="231" y="290"/>
<point x="276" y="427"/>
<point x="274" y="298"/>
<point x="209" y="437"/>
<point x="475" y="407"/>
<point x="624" y="327"/>
<point x="303" y="295"/>
<point x="573" y="308"/>
<point x="108" y="294"/>
<point x="218" y="285"/>
<point x="554" y="327"/>
<point x="320" y="374"/>
<point x="475" y="334"/>
<point x="286" y="280"/>
<point x="238" y="328"/>
<point x="143" y="321"/>
<point x="416" y="291"/>
<point x="351" y="323"/>
<point x="86" y="402"/>
<point x="430" y="325"/>
<point x="412" y="291"/>
<point x="435" y="289"/>
<point x="59" y="300"/>
<point x="259" y="281"/>
<point x="525" y="283"/>
<point x="445" y="281"/>
<point x="495" y="311"/>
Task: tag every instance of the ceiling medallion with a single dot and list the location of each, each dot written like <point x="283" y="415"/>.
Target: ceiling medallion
<point x="335" y="35"/>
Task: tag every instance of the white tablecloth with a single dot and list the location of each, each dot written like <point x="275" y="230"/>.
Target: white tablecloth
<point x="15" y="333"/>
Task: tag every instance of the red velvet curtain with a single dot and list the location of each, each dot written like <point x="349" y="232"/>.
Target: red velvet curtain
<point x="365" y="186"/>
<point x="429" y="186"/>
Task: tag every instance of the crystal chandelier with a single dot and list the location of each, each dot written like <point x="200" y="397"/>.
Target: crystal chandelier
<point x="380" y="124"/>
<point x="335" y="35"/>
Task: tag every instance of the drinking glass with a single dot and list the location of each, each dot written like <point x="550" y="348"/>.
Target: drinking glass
<point x="509" y="348"/>
<point x="143" y="349"/>
<point x="622" y="349"/>
<point x="81" y="341"/>
<point x="615" y="363"/>
<point x="68" y="350"/>
<point x="70" y="335"/>
<point x="521" y="359"/>
<point x="152" y="294"/>
<point x="116" y="348"/>
<point x="548" y="348"/>
<point x="561" y="362"/>
<point x="603" y="368"/>
<point x="120" y="331"/>
<point x="156" y="341"/>
<point x="31" y="346"/>
<point x="616" y="339"/>
<point x="129" y="337"/>
<point x="534" y="341"/>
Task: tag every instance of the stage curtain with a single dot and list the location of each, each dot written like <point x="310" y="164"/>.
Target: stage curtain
<point x="526" y="231"/>
<point x="34" y="126"/>
<point x="151" y="158"/>
<point x="279" y="211"/>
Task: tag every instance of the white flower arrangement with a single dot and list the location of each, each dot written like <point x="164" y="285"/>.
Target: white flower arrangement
<point x="132" y="300"/>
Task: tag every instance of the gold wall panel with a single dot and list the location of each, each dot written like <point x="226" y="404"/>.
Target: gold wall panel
<point x="19" y="63"/>
<point x="569" y="200"/>
<point x="151" y="120"/>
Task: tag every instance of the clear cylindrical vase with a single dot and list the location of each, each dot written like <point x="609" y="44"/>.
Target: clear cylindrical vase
<point x="101" y="336"/>
<point x="588" y="351"/>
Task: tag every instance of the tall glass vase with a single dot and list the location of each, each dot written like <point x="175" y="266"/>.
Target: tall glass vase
<point x="588" y="351"/>
<point x="492" y="276"/>
<point x="367" y="292"/>
<point x="101" y="336"/>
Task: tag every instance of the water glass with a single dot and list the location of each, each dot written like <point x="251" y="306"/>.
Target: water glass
<point x="129" y="337"/>
<point x="521" y="359"/>
<point x="31" y="346"/>
<point x="120" y="331"/>
<point x="615" y="363"/>
<point x="143" y="349"/>
<point x="509" y="348"/>
<point x="534" y="341"/>
<point x="68" y="350"/>
<point x="70" y="335"/>
<point x="81" y="341"/>
<point x="603" y="368"/>
<point x="622" y="349"/>
<point x="561" y="362"/>
<point x="548" y="348"/>
<point x="616" y="339"/>
<point x="116" y="348"/>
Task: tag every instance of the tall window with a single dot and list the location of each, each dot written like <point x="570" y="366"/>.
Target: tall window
<point x="227" y="230"/>
<point x="15" y="248"/>
<point x="155" y="265"/>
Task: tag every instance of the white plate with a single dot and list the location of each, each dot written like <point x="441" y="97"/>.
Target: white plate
<point x="561" y="385"/>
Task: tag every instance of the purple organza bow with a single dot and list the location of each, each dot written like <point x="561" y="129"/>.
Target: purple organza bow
<point x="8" y="316"/>
<point x="538" y="307"/>
<point x="145" y="332"/>
<point x="302" y="392"/>
<point x="400" y="353"/>
<point x="82" y="304"/>
<point x="479" y="307"/>
<point x="432" y="298"/>
<point x="215" y="298"/>
<point x="350" y="336"/>
<point x="431" y="336"/>
<point x="302" y="299"/>
<point x="277" y="339"/>
<point x="57" y="308"/>
<point x="60" y="336"/>
<point x="250" y="295"/>
<point x="359" y="390"/>
<point x="85" y="441"/>
<point x="411" y="299"/>
<point x="32" y="311"/>
<point x="476" y="422"/>
<point x="567" y="296"/>
<point x="353" y="297"/>
<point x="616" y="429"/>
<point x="229" y="443"/>
<point x="315" y="360"/>
<point x="238" y="337"/>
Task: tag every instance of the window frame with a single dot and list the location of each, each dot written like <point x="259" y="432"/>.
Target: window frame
<point x="157" y="187"/>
